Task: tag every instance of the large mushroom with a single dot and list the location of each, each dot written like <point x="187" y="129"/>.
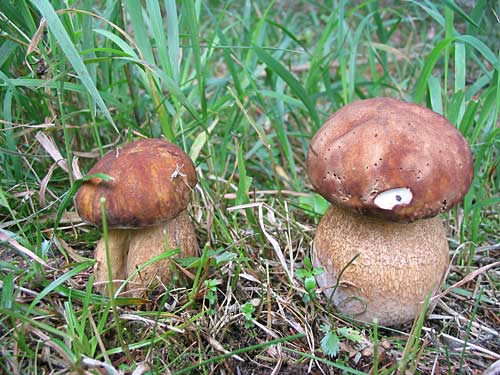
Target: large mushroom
<point x="388" y="167"/>
<point x="145" y="202"/>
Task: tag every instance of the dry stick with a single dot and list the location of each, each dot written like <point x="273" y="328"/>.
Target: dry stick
<point x="466" y="279"/>
<point x="151" y="322"/>
<point x="16" y="245"/>
<point x="93" y="363"/>
<point x="275" y="245"/>
<point x="456" y="315"/>
<point x="99" y="338"/>
<point x="218" y="346"/>
<point x="494" y="369"/>
<point x="468" y="345"/>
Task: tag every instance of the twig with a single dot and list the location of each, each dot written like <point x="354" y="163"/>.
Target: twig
<point x="471" y="276"/>
<point x="494" y="369"/>
<point x="270" y="192"/>
<point x="467" y="345"/>
<point x="456" y="315"/>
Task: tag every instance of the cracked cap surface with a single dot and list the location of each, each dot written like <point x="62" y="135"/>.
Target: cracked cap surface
<point x="151" y="182"/>
<point x="372" y="146"/>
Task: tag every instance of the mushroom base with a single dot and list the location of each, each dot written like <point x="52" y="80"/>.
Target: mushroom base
<point x="130" y="248"/>
<point x="386" y="269"/>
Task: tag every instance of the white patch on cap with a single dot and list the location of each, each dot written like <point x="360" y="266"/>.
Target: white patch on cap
<point x="388" y="199"/>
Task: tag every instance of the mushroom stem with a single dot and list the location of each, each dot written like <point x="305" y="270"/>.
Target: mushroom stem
<point x="118" y="242"/>
<point x="395" y="265"/>
<point x="147" y="243"/>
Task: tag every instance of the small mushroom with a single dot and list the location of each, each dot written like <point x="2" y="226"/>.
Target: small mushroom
<point x="145" y="201"/>
<point x="388" y="167"/>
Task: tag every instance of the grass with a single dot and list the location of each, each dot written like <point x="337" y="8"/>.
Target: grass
<point x="242" y="87"/>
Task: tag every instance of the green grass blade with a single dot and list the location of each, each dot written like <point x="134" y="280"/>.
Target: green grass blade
<point x="129" y="51"/>
<point x="452" y="5"/>
<point x="24" y="318"/>
<point x="6" y="50"/>
<point x="156" y="23"/>
<point x="173" y="38"/>
<point x="460" y="66"/>
<point x="60" y="280"/>
<point x="192" y="22"/>
<point x="426" y="72"/>
<point x="436" y="94"/>
<point x="139" y="27"/>
<point x="57" y="28"/>
<point x="292" y="82"/>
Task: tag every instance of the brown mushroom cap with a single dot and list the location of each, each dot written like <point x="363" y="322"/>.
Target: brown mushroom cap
<point x="151" y="183"/>
<point x="373" y="146"/>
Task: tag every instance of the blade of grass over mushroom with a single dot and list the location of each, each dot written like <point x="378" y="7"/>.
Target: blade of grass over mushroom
<point x="111" y="290"/>
<point x="71" y="53"/>
<point x="72" y="191"/>
<point x="167" y="254"/>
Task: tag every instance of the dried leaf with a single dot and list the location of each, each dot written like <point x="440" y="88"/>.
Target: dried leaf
<point x="49" y="145"/>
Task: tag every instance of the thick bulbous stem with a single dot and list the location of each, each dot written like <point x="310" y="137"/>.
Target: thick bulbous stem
<point x="147" y="243"/>
<point x="118" y="243"/>
<point x="381" y="269"/>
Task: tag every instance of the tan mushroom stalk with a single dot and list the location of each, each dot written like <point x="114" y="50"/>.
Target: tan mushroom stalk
<point x="388" y="167"/>
<point x="146" y="201"/>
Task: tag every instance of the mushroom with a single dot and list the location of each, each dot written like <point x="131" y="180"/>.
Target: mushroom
<point x="388" y="167"/>
<point x="145" y="202"/>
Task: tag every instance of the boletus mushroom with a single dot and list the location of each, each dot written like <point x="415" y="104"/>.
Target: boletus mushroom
<point x="145" y="203"/>
<point x="388" y="167"/>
